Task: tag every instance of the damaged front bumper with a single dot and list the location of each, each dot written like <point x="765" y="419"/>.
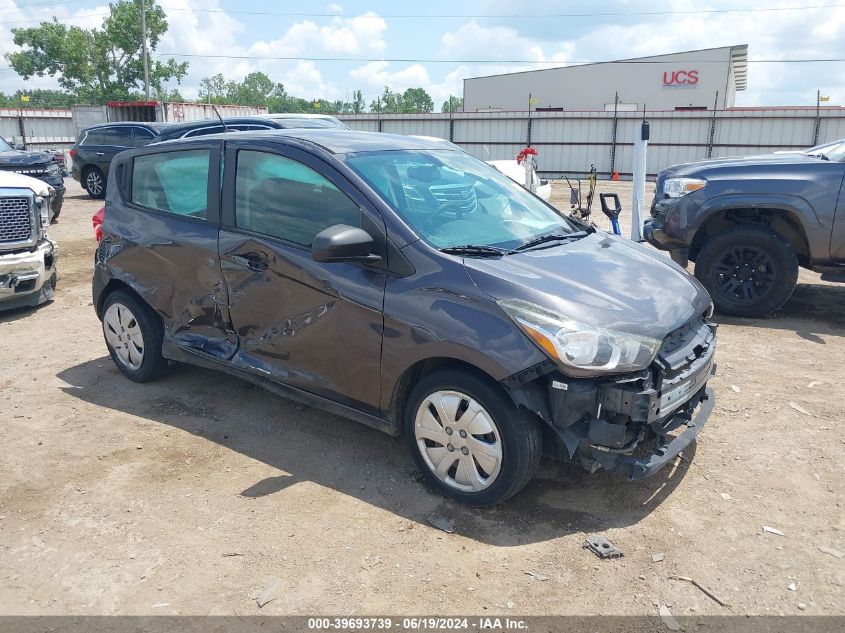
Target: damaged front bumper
<point x="27" y="276"/>
<point x="634" y="424"/>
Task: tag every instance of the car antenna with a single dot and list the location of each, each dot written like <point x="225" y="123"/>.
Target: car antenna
<point x="222" y="122"/>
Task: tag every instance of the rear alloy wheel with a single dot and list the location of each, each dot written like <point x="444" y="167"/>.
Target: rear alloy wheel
<point x="94" y="182"/>
<point x="469" y="439"/>
<point x="748" y="270"/>
<point x="133" y="336"/>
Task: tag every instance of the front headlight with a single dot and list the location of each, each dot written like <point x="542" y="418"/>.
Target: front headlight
<point x="579" y="345"/>
<point x="53" y="169"/>
<point x="679" y="187"/>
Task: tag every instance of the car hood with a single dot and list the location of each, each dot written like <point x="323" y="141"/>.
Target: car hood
<point x="19" y="158"/>
<point x="20" y="181"/>
<point x="731" y="162"/>
<point x="600" y="280"/>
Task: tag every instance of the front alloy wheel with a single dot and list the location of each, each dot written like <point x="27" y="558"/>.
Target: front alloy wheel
<point x="469" y="439"/>
<point x="458" y="440"/>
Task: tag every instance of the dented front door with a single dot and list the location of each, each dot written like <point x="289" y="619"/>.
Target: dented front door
<point x="311" y="325"/>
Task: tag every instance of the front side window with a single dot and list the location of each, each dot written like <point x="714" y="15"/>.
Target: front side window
<point x="175" y="182"/>
<point x="453" y="199"/>
<point x="283" y="198"/>
<point x="119" y="136"/>
<point x="141" y="137"/>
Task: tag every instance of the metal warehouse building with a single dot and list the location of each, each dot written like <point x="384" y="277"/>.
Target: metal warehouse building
<point x="692" y="80"/>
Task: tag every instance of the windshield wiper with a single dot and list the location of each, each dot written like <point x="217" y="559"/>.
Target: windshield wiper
<point x="819" y="155"/>
<point x="479" y="250"/>
<point x="551" y="237"/>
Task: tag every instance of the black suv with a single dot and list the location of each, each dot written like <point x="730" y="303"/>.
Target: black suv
<point x="41" y="165"/>
<point x="409" y="286"/>
<point x="93" y="151"/>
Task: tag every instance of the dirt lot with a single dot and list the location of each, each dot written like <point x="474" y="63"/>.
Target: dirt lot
<point x="193" y="494"/>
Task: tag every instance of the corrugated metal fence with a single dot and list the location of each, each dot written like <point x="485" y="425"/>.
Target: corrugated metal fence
<point x="39" y="129"/>
<point x="569" y="142"/>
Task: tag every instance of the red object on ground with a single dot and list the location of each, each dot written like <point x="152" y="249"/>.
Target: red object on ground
<point x="97" y="221"/>
<point x="528" y="151"/>
<point x="616" y="176"/>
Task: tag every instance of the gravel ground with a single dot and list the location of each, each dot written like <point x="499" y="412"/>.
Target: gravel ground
<point x="196" y="493"/>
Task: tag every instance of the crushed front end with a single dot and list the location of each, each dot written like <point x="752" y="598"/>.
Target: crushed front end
<point x="636" y="423"/>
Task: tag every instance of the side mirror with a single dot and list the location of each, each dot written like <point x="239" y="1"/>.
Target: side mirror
<point x="19" y="146"/>
<point x="343" y="243"/>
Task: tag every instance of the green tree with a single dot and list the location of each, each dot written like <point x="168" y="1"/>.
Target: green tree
<point x="357" y="105"/>
<point x="100" y="63"/>
<point x="389" y="101"/>
<point x="256" y="89"/>
<point x="453" y="104"/>
<point x="212" y="89"/>
<point x="416" y="100"/>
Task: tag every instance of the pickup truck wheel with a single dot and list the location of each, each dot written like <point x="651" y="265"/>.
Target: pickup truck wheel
<point x="133" y="336"/>
<point x="748" y="270"/>
<point x="94" y="182"/>
<point x="469" y="439"/>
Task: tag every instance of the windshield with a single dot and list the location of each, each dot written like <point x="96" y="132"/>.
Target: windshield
<point x="453" y="199"/>
<point x="4" y="146"/>
<point x="830" y="150"/>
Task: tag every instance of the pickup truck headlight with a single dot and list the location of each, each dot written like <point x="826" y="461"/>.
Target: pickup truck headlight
<point x="578" y="345"/>
<point x="679" y="187"/>
<point x="53" y="169"/>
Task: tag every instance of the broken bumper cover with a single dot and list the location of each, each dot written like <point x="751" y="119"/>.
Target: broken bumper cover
<point x="25" y="276"/>
<point x="642" y="467"/>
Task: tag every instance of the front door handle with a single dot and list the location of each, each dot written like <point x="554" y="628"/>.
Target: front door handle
<point x="100" y="153"/>
<point x="253" y="261"/>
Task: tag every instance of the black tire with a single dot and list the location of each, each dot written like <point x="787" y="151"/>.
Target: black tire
<point x="748" y="270"/>
<point x="153" y="365"/>
<point x="91" y="177"/>
<point x="519" y="434"/>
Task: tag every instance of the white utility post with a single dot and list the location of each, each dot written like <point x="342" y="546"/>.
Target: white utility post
<point x="641" y="135"/>
<point x="144" y="49"/>
<point x="529" y="172"/>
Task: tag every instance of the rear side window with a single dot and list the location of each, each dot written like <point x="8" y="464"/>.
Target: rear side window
<point x="141" y="137"/>
<point x="283" y="198"/>
<point x="204" y="131"/>
<point x="93" y="137"/>
<point x="119" y="136"/>
<point x="174" y="182"/>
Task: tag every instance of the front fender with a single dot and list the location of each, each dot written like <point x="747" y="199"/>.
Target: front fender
<point x="796" y="205"/>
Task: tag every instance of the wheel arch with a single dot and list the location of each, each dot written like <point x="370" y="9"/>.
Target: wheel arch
<point x="425" y="367"/>
<point x="784" y="221"/>
<point x="113" y="286"/>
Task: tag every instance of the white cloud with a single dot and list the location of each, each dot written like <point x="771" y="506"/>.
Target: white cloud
<point x="334" y="8"/>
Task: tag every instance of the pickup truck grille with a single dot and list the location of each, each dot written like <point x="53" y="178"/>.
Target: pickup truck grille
<point x="15" y="219"/>
<point x="33" y="171"/>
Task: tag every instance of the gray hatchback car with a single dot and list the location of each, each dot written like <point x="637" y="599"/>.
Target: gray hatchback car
<point x="409" y="286"/>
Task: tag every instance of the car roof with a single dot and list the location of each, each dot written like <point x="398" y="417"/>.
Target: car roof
<point x="187" y="126"/>
<point x="333" y="140"/>
<point x="157" y="126"/>
<point x="296" y="115"/>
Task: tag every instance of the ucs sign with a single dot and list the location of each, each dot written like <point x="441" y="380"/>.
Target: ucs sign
<point x="680" y="78"/>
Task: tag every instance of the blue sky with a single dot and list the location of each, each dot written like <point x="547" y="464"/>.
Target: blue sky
<point x="374" y="31"/>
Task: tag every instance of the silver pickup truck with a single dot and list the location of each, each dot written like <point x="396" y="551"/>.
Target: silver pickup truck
<point x="27" y="256"/>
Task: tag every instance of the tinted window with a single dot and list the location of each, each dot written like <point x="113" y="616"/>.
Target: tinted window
<point x="141" y="137"/>
<point x="120" y="136"/>
<point x="203" y="131"/>
<point x="93" y="137"/>
<point x="176" y="182"/>
<point x="281" y="197"/>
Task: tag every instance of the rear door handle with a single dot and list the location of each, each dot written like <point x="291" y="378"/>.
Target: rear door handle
<point x="100" y="153"/>
<point x="253" y="261"/>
